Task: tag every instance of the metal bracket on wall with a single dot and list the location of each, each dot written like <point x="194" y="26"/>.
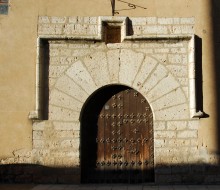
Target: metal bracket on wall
<point x="130" y="6"/>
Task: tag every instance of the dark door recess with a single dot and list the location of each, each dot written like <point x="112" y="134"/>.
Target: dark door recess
<point x="117" y="137"/>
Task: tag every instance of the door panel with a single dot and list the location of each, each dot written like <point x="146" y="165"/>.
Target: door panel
<point x="123" y="148"/>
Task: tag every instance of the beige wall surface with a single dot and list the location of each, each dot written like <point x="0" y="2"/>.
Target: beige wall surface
<point x="18" y="40"/>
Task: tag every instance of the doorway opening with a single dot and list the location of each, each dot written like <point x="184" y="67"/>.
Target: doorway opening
<point x="117" y="137"/>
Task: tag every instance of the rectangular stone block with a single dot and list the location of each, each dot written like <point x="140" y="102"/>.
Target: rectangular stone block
<point x="135" y="45"/>
<point x="147" y="51"/>
<point x="69" y="143"/>
<point x="162" y="152"/>
<point x="155" y="29"/>
<point x="151" y="20"/>
<point x="72" y="20"/>
<point x="78" y="45"/>
<point x="78" y="53"/>
<point x="91" y="20"/>
<point x="38" y="135"/>
<point x="57" y="44"/>
<point x="64" y="134"/>
<point x="151" y="45"/>
<point x="49" y="29"/>
<point x="39" y="126"/>
<point x="162" y="50"/>
<point x="165" y="134"/>
<point x="54" y="60"/>
<point x="59" y="20"/>
<point x="76" y="134"/>
<point x="66" y="126"/>
<point x="159" y="125"/>
<point x="194" y="125"/>
<point x="54" y="52"/>
<point x="177" y="58"/>
<point x="178" y="142"/>
<point x="159" y="143"/>
<point x="73" y="153"/>
<point x="178" y="50"/>
<point x="92" y="30"/>
<point x="187" y="20"/>
<point x="38" y="144"/>
<point x="44" y="19"/>
<point x="194" y="142"/>
<point x="173" y="44"/>
<point x="176" y="20"/>
<point x="165" y="21"/>
<point x="56" y="71"/>
<point x="176" y="125"/>
<point x="72" y="29"/>
<point x="79" y="19"/>
<point x="65" y="52"/>
<point x="115" y="46"/>
<point x="62" y="114"/>
<point x="187" y="134"/>
<point x="138" y="21"/>
<point x="51" y="82"/>
<point x="187" y="29"/>
<point x="175" y="30"/>
<point x="41" y="152"/>
<point x="137" y="30"/>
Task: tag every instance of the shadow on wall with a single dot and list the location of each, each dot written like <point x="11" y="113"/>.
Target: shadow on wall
<point x="216" y="46"/>
<point x="172" y="174"/>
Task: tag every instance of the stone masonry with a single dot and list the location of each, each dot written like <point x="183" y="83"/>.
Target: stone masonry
<point x="152" y="59"/>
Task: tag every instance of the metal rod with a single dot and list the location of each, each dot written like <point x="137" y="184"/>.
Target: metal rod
<point x="113" y="7"/>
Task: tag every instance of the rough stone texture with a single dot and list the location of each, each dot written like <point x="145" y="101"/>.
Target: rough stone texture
<point x="82" y="77"/>
<point x="77" y="68"/>
<point x="96" y="64"/>
<point x="63" y="100"/>
<point x="146" y="68"/>
<point x="113" y="65"/>
<point x="90" y="26"/>
<point x="130" y="63"/>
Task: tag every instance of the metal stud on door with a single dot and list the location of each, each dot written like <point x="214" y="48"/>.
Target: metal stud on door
<point x="123" y="152"/>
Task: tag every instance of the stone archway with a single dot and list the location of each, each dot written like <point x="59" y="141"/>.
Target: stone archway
<point x="74" y="79"/>
<point x="117" y="137"/>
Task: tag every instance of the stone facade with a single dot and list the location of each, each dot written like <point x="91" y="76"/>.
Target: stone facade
<point x="154" y="58"/>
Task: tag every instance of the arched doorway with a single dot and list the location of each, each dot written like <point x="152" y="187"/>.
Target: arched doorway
<point x="117" y="137"/>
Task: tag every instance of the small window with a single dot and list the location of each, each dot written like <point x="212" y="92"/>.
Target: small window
<point x="112" y="33"/>
<point x="3" y="7"/>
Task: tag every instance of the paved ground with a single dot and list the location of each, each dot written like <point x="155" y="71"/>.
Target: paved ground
<point x="107" y="187"/>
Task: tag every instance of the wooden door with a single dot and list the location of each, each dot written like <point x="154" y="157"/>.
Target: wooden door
<point x="122" y="146"/>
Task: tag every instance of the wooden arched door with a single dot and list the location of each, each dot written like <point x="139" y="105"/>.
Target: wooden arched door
<point x="117" y="137"/>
